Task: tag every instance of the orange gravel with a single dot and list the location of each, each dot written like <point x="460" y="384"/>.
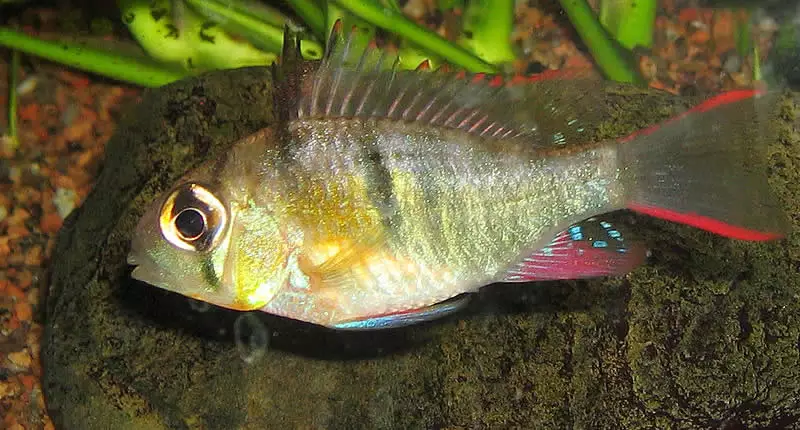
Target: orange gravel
<point x="64" y="122"/>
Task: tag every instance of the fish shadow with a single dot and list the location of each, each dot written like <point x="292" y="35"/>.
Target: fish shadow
<point x="215" y="324"/>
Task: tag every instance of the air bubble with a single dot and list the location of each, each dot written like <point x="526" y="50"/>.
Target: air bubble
<point x="252" y="338"/>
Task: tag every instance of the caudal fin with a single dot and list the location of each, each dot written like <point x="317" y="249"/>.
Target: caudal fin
<point x="705" y="168"/>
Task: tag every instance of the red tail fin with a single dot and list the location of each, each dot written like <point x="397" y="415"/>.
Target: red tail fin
<point x="705" y="168"/>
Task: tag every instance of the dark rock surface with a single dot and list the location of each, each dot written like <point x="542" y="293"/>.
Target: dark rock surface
<point x="704" y="336"/>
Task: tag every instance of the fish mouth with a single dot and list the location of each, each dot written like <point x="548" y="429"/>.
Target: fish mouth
<point x="145" y="269"/>
<point x="133" y="259"/>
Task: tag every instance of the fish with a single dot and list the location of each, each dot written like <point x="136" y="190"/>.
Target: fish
<point x="386" y="197"/>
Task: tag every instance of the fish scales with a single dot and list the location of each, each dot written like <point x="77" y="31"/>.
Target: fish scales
<point x="459" y="205"/>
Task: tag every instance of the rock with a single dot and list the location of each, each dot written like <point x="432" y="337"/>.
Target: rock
<point x="704" y="336"/>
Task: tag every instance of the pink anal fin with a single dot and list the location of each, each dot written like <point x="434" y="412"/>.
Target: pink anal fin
<point x="706" y="168"/>
<point x="589" y="249"/>
<point x="406" y="318"/>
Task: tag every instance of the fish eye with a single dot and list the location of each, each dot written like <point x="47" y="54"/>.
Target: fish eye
<point x="193" y="218"/>
<point x="190" y="224"/>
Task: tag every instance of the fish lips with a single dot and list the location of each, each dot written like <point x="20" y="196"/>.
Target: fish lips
<point x="145" y="238"/>
<point x="145" y="270"/>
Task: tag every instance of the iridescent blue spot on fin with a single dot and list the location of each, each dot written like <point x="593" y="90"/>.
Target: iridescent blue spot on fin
<point x="589" y="249"/>
<point x="406" y="318"/>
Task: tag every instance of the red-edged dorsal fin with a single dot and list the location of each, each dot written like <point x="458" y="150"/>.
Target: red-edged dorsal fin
<point x="705" y="168"/>
<point x="546" y="110"/>
<point x="589" y="249"/>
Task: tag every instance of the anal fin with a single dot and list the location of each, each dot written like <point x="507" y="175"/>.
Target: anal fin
<point x="406" y="318"/>
<point x="589" y="249"/>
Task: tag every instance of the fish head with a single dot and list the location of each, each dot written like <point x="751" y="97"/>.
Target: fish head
<point x="208" y="241"/>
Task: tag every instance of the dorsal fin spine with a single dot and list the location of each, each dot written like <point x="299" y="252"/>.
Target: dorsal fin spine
<point x="478" y="123"/>
<point x="335" y="87"/>
<point x="371" y="85"/>
<point x="338" y="73"/>
<point x="466" y="119"/>
<point x="489" y="127"/>
<point x="400" y="98"/>
<point x="353" y="87"/>
<point x="449" y="120"/>
<point x="410" y="106"/>
<point x="355" y="83"/>
<point x="434" y="98"/>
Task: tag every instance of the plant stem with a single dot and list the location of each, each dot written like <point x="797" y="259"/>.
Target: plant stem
<point x="312" y="14"/>
<point x="487" y="30"/>
<point x="756" y="64"/>
<point x="615" y="62"/>
<point x="395" y="22"/>
<point x="237" y="19"/>
<point x="629" y="21"/>
<point x="13" y="79"/>
<point x="138" y="70"/>
<point x="409" y="55"/>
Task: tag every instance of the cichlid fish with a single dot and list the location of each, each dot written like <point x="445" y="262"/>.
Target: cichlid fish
<point x="386" y="194"/>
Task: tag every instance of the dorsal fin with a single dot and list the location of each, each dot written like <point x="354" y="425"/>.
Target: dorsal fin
<point x="548" y="109"/>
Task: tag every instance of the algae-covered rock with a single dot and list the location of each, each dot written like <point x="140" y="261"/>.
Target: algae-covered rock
<point x="704" y="336"/>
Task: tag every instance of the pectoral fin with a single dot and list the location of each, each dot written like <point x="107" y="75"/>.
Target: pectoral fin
<point x="342" y="262"/>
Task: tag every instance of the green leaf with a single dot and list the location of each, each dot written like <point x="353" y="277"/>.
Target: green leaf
<point x="117" y="64"/>
<point x="616" y="62"/>
<point x="487" y="30"/>
<point x="260" y="25"/>
<point x="191" y="41"/>
<point x="312" y="13"/>
<point x="390" y="19"/>
<point x="631" y="22"/>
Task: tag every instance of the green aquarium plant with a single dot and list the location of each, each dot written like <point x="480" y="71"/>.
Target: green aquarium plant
<point x="487" y="30"/>
<point x="313" y="15"/>
<point x="123" y="63"/>
<point x="184" y="37"/>
<point x="615" y="60"/>
<point x="745" y="46"/>
<point x="261" y="25"/>
<point x="10" y="140"/>
<point x="391" y="19"/>
<point x="630" y="22"/>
